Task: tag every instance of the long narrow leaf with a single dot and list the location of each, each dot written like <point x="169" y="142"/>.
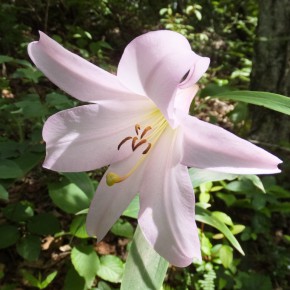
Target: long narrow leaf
<point x="204" y="216"/>
<point x="268" y="100"/>
<point x="144" y="269"/>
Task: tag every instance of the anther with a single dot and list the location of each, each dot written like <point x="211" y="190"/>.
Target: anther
<point x="123" y="141"/>
<point x="143" y="141"/>
<point x="137" y="128"/>
<point x="145" y="131"/>
<point x="147" y="149"/>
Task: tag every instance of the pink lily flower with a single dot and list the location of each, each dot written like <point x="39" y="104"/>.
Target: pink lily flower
<point x="137" y="122"/>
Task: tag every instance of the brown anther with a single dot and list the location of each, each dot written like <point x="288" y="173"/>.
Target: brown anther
<point x="147" y="149"/>
<point x="143" y="141"/>
<point x="137" y="128"/>
<point x="134" y="142"/>
<point x="123" y="141"/>
<point x="145" y="131"/>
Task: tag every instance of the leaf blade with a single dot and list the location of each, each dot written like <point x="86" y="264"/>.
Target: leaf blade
<point x="144" y="268"/>
<point x="268" y="100"/>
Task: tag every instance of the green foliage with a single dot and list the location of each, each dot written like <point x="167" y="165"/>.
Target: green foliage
<point x="43" y="213"/>
<point x="268" y="100"/>
<point x="38" y="282"/>
<point x="18" y="212"/>
<point x="110" y="268"/>
<point x="29" y="247"/>
<point x="44" y="224"/>
<point x="68" y="196"/>
<point x="123" y="228"/>
<point x="74" y="281"/>
<point x="9" y="169"/>
<point x="3" y="193"/>
<point x="78" y="227"/>
<point x="9" y="235"/>
<point x="86" y="262"/>
<point x="144" y="268"/>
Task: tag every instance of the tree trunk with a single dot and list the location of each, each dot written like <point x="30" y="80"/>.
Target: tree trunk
<point x="271" y="69"/>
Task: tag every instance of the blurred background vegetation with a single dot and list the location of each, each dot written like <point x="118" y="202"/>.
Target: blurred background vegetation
<point x="43" y="243"/>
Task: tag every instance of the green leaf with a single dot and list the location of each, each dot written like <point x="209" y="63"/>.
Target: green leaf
<point x="241" y="185"/>
<point x="32" y="108"/>
<point x="29" y="247"/>
<point x="111" y="268"/>
<point x="103" y="286"/>
<point x="213" y="89"/>
<point x="144" y="268"/>
<point x="205" y="244"/>
<point x="18" y="212"/>
<point x="48" y="280"/>
<point x="3" y="193"/>
<point x="44" y="224"/>
<point x="268" y="100"/>
<point x="9" y="235"/>
<point x="30" y="279"/>
<point x="5" y="58"/>
<point x="8" y="287"/>
<point x="123" y="228"/>
<point x="206" y="186"/>
<point x="29" y="73"/>
<point x="28" y="161"/>
<point x="226" y="255"/>
<point x="255" y="180"/>
<point x="205" y="216"/>
<point x="259" y="201"/>
<point x="10" y="148"/>
<point x="236" y="229"/>
<point x="281" y="207"/>
<point x="200" y="176"/>
<point x="9" y="169"/>
<point x="86" y="262"/>
<point x="59" y="101"/>
<point x="74" y="281"/>
<point x="204" y="197"/>
<point x="223" y="217"/>
<point x="254" y="281"/>
<point x="228" y="198"/>
<point x="68" y="197"/>
<point x="36" y="282"/>
<point x="82" y="180"/>
<point x="78" y="227"/>
<point x="133" y="208"/>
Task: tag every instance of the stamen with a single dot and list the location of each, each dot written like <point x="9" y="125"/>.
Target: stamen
<point x="141" y="142"/>
<point x="145" y="131"/>
<point x="133" y="143"/>
<point x="158" y="122"/>
<point x="147" y="149"/>
<point x="137" y="128"/>
<point x="123" y="141"/>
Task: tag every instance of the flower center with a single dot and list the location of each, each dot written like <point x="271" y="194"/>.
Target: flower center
<point x="149" y="136"/>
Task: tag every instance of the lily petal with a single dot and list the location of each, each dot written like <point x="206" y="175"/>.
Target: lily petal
<point x="211" y="147"/>
<point x="166" y="214"/>
<point x="154" y="64"/>
<point x="184" y="98"/>
<point x="109" y="202"/>
<point x="87" y="137"/>
<point x="73" y="74"/>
